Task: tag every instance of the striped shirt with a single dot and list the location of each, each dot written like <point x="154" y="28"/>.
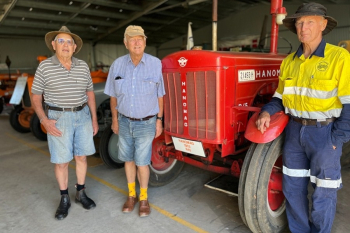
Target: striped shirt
<point x="62" y="87"/>
<point x="137" y="88"/>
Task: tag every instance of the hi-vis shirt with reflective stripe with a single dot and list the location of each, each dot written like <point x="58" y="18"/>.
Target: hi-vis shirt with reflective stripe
<point x="315" y="87"/>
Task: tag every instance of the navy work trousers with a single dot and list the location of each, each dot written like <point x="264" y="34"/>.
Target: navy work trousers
<point x="308" y="155"/>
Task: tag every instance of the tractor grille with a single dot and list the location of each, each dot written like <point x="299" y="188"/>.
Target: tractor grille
<point x="197" y="96"/>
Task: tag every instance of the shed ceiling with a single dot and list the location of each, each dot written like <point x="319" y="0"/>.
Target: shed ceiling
<point x="104" y="21"/>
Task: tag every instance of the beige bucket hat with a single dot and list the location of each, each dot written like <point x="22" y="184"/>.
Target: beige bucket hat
<point x="50" y="36"/>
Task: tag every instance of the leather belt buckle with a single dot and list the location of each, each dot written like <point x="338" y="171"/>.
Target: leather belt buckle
<point x="304" y="122"/>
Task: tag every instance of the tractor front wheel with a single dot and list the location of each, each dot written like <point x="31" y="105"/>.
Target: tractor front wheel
<point x="163" y="170"/>
<point x="109" y="148"/>
<point x="19" y="119"/>
<point x="264" y="202"/>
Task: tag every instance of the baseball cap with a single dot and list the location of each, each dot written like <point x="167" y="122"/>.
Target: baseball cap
<point x="134" y="30"/>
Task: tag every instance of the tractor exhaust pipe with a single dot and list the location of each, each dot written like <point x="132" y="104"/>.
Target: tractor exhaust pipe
<point x="278" y="13"/>
<point x="215" y="24"/>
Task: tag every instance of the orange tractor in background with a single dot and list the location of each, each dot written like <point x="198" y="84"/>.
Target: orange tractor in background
<point x="7" y="85"/>
<point x="23" y="117"/>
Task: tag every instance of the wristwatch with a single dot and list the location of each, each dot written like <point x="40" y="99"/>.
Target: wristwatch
<point x="159" y="118"/>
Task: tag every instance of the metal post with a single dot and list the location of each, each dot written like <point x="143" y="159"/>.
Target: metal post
<point x="215" y="22"/>
<point x="276" y="8"/>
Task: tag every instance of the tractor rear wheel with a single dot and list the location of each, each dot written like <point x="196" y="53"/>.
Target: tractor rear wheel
<point x="162" y="170"/>
<point x="19" y="119"/>
<point x="109" y="148"/>
<point x="37" y="128"/>
<point x="264" y="203"/>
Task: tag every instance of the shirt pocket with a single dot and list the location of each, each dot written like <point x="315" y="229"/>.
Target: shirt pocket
<point x="118" y="86"/>
<point x="323" y="85"/>
<point x="149" y="86"/>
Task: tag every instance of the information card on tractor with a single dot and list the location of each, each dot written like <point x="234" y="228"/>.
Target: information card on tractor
<point x="189" y="146"/>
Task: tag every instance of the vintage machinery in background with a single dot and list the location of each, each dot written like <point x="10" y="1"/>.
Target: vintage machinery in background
<point x="345" y="44"/>
<point x="210" y="97"/>
<point x="7" y="85"/>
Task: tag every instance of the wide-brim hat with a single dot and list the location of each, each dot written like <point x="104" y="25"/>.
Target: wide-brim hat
<point x="310" y="9"/>
<point x="50" y="36"/>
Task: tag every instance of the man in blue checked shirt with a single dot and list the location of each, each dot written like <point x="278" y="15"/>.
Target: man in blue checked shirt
<point x="135" y="85"/>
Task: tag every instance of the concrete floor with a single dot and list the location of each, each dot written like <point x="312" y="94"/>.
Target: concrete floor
<point x="29" y="197"/>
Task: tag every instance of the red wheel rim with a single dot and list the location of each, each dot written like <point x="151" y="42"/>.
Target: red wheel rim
<point x="274" y="192"/>
<point x="24" y="119"/>
<point x="158" y="162"/>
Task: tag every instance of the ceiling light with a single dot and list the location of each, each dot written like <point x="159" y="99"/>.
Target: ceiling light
<point x="59" y="12"/>
<point x="71" y="2"/>
<point x="23" y="18"/>
<point x="30" y="9"/>
<point x="93" y="27"/>
<point x="121" y="10"/>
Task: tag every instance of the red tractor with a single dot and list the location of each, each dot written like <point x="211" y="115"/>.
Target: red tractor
<point x="209" y="107"/>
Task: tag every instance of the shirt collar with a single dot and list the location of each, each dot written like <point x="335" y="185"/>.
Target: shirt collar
<point x="143" y="59"/>
<point x="55" y="60"/>
<point x="318" y="52"/>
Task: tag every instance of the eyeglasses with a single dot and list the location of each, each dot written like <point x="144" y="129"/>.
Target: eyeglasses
<point x="134" y="40"/>
<point x="61" y="41"/>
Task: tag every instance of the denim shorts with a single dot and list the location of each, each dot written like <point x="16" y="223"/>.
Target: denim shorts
<point x="77" y="135"/>
<point x="135" y="140"/>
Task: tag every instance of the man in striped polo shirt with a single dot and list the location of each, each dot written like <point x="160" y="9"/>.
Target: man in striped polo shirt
<point x="314" y="90"/>
<point x="135" y="85"/>
<point x="70" y="119"/>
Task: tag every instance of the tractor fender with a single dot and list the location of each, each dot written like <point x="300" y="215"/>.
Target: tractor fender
<point x="277" y="124"/>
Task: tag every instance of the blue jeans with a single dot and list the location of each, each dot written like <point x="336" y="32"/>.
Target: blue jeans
<point x="77" y="135"/>
<point x="135" y="140"/>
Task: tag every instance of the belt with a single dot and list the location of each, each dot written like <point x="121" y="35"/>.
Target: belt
<point x="74" y="109"/>
<point x="138" y="119"/>
<point x="304" y="121"/>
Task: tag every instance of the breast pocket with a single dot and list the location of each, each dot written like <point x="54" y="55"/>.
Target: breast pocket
<point x="149" y="86"/>
<point x="323" y="85"/>
<point x="118" y="86"/>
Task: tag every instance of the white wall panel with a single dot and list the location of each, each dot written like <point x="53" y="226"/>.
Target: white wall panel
<point x="23" y="53"/>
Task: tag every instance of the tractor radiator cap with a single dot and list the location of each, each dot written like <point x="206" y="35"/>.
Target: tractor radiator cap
<point x="277" y="124"/>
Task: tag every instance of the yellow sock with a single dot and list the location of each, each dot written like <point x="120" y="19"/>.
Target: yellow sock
<point x="143" y="194"/>
<point x="132" y="190"/>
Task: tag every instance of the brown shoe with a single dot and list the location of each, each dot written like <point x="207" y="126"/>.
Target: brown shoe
<point x="144" y="210"/>
<point x="129" y="204"/>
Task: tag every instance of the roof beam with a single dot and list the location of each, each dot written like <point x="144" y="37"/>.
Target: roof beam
<point x="8" y="5"/>
<point x="132" y="17"/>
<point x="81" y="8"/>
<point x="59" y="18"/>
<point x="46" y="26"/>
<point x="70" y="9"/>
<point x="113" y="4"/>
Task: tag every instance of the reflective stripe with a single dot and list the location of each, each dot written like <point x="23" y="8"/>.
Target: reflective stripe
<point x="304" y="91"/>
<point x="345" y="99"/>
<point x="278" y="95"/>
<point x="296" y="172"/>
<point x="314" y="115"/>
<point x="326" y="183"/>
